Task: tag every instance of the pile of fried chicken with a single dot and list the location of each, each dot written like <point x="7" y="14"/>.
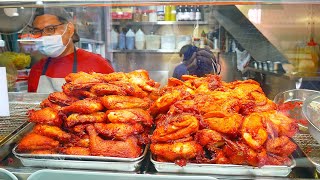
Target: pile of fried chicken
<point x="96" y="114"/>
<point x="206" y="120"/>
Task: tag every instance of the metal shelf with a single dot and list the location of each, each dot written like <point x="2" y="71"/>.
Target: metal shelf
<point x="174" y="51"/>
<point x="160" y="23"/>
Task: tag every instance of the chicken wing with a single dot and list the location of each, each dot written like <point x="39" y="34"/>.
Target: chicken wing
<point x="118" y="131"/>
<point x="107" y="89"/>
<point x="74" y="119"/>
<point x="34" y="141"/>
<point x="46" y="115"/>
<point x="209" y="138"/>
<point x="61" y="99"/>
<point x="82" y="151"/>
<point x="52" y="132"/>
<point x="86" y="106"/>
<point x="176" y="151"/>
<point x="176" y="127"/>
<point x="131" y="116"/>
<point x="224" y="123"/>
<point x="124" y="102"/>
<point x="126" y="149"/>
<point x="46" y="103"/>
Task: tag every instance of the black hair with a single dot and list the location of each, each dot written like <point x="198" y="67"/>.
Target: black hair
<point x="62" y="15"/>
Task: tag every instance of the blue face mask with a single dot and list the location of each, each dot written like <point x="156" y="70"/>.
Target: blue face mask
<point x="52" y="46"/>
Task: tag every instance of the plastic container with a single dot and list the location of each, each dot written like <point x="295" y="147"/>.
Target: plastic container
<point x="152" y="42"/>
<point x="182" y="40"/>
<point x="311" y="110"/>
<point x="168" y="42"/>
<point x="140" y="40"/>
<point x="130" y="40"/>
<point x="114" y="39"/>
<point x="122" y="40"/>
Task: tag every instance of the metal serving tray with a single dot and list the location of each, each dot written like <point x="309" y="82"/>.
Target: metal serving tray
<point x="224" y="169"/>
<point x="79" y="157"/>
<point x="77" y="164"/>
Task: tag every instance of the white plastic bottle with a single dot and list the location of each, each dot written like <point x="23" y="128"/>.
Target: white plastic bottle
<point x="114" y="39"/>
<point x="130" y="40"/>
<point x="140" y="40"/>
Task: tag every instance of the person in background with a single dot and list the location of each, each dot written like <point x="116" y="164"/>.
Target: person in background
<point x="55" y="37"/>
<point x="197" y="62"/>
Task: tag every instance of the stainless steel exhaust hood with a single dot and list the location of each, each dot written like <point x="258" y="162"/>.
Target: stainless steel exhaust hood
<point x="247" y="35"/>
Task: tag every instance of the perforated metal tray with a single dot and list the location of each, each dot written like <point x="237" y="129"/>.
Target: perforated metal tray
<point x="310" y="147"/>
<point x="19" y="104"/>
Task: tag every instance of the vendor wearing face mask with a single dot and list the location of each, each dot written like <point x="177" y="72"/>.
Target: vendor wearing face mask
<point x="56" y="38"/>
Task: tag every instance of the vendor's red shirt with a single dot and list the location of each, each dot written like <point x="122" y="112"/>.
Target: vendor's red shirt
<point x="61" y="67"/>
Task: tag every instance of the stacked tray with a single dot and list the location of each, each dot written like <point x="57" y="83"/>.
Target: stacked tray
<point x="310" y="147"/>
<point x="225" y="169"/>
<point x="81" y="162"/>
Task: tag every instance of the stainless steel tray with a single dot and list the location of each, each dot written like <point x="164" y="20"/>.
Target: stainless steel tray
<point x="78" y="157"/>
<point x="224" y="169"/>
<point x="76" y="164"/>
<point x="310" y="147"/>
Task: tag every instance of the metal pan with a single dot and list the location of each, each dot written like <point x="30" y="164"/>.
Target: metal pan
<point x="78" y="157"/>
<point x="76" y="164"/>
<point x="224" y="169"/>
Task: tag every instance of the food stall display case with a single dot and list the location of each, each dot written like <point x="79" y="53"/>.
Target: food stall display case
<point x="280" y="38"/>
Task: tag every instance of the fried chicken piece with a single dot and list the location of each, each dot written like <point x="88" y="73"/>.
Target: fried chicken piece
<point x="82" y="151"/>
<point x="239" y="153"/>
<point x="49" y="151"/>
<point x="209" y="138"/>
<point x="79" y="129"/>
<point x="61" y="99"/>
<point x="124" y="102"/>
<point x="188" y="106"/>
<point x="176" y="151"/>
<point x="80" y="93"/>
<point x="74" y="119"/>
<point x="130" y="116"/>
<point x="273" y="159"/>
<point x="176" y="127"/>
<point x="162" y="104"/>
<point x="224" y="123"/>
<point x="285" y="125"/>
<point x="33" y="141"/>
<point x="86" y="106"/>
<point x="131" y="89"/>
<point x="78" y="141"/>
<point x="126" y="149"/>
<point x="46" y="103"/>
<point x="253" y="131"/>
<point x="111" y="77"/>
<point x="119" y="131"/>
<point x="46" y="115"/>
<point x="52" y="132"/>
<point x="82" y="78"/>
<point x="107" y="89"/>
<point x="141" y="78"/>
<point x="281" y="146"/>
